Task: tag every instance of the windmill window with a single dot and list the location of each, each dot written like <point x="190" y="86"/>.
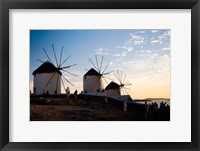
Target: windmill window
<point x="85" y="77"/>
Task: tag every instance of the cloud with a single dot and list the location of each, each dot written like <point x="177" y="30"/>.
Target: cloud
<point x="148" y="64"/>
<point x="120" y="55"/>
<point x="154" y="31"/>
<point x="155" y="41"/>
<point x="111" y="63"/>
<point x="167" y="33"/>
<point x="136" y="65"/>
<point x="161" y="38"/>
<point x="129" y="49"/>
<point x="102" y="51"/>
<point x="142" y="31"/>
<point x="137" y="39"/>
<point x="126" y="47"/>
<point x="165" y="49"/>
<point x="148" y="51"/>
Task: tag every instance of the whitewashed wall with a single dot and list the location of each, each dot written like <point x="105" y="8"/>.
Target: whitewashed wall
<point x="40" y="81"/>
<point x="92" y="83"/>
<point x="113" y="92"/>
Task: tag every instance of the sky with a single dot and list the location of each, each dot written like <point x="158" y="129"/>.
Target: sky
<point x="143" y="55"/>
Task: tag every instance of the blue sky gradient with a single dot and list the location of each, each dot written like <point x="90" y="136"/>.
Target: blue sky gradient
<point x="143" y="55"/>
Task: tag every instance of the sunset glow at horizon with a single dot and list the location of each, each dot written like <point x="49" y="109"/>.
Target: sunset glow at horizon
<point x="142" y="54"/>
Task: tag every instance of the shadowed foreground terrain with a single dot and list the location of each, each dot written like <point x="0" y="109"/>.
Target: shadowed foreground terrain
<point x="89" y="109"/>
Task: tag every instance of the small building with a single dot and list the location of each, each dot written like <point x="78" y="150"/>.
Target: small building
<point x="113" y="89"/>
<point x="46" y="78"/>
<point x="92" y="81"/>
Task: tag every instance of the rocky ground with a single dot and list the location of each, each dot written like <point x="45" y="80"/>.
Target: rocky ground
<point x="87" y="109"/>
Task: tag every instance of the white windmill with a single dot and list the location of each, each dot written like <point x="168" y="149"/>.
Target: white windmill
<point x="120" y="88"/>
<point x="48" y="77"/>
<point x="93" y="79"/>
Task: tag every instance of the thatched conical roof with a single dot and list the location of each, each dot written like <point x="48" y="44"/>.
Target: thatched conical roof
<point x="46" y="67"/>
<point x="91" y="72"/>
<point x="112" y="85"/>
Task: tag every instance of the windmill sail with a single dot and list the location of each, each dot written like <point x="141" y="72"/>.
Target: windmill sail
<point x="50" y="77"/>
<point x="93" y="80"/>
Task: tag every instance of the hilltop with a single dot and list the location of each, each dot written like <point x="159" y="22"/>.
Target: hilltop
<point x="87" y="109"/>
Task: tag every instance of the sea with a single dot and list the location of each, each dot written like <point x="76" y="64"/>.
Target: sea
<point x="157" y="101"/>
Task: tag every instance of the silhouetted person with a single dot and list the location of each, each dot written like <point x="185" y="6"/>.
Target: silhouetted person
<point x="47" y="97"/>
<point x="75" y="95"/>
<point x="55" y="92"/>
<point x="106" y="104"/>
<point x="34" y="91"/>
<point x="67" y="93"/>
<point x="125" y="106"/>
<point x="146" y="108"/>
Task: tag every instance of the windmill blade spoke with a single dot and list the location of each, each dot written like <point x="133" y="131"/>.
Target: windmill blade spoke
<point x="68" y="66"/>
<point x="69" y="72"/>
<point x="40" y="60"/>
<point x="55" y="55"/>
<point x="124" y="78"/>
<point x="62" y="82"/>
<point x="57" y="83"/>
<point x="86" y="69"/>
<point x="126" y="91"/>
<point x="127" y="83"/>
<point x="101" y="64"/>
<point x="121" y="76"/>
<point x="67" y="80"/>
<point x="117" y="77"/>
<point x="61" y="56"/>
<point x="47" y="55"/>
<point x="107" y="78"/>
<point x="106" y="67"/>
<point x="122" y="91"/>
<point x="107" y="73"/>
<point x="126" y="88"/>
<point x="65" y="60"/>
<point x="93" y="64"/>
<point x="50" y="79"/>
<point x="97" y="63"/>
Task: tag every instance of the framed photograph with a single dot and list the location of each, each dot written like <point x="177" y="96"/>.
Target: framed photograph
<point x="85" y="75"/>
<point x="99" y="88"/>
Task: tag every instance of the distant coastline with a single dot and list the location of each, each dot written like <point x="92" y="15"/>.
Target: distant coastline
<point x="150" y="99"/>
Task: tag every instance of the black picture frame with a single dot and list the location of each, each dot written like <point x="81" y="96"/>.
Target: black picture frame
<point x="5" y="5"/>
